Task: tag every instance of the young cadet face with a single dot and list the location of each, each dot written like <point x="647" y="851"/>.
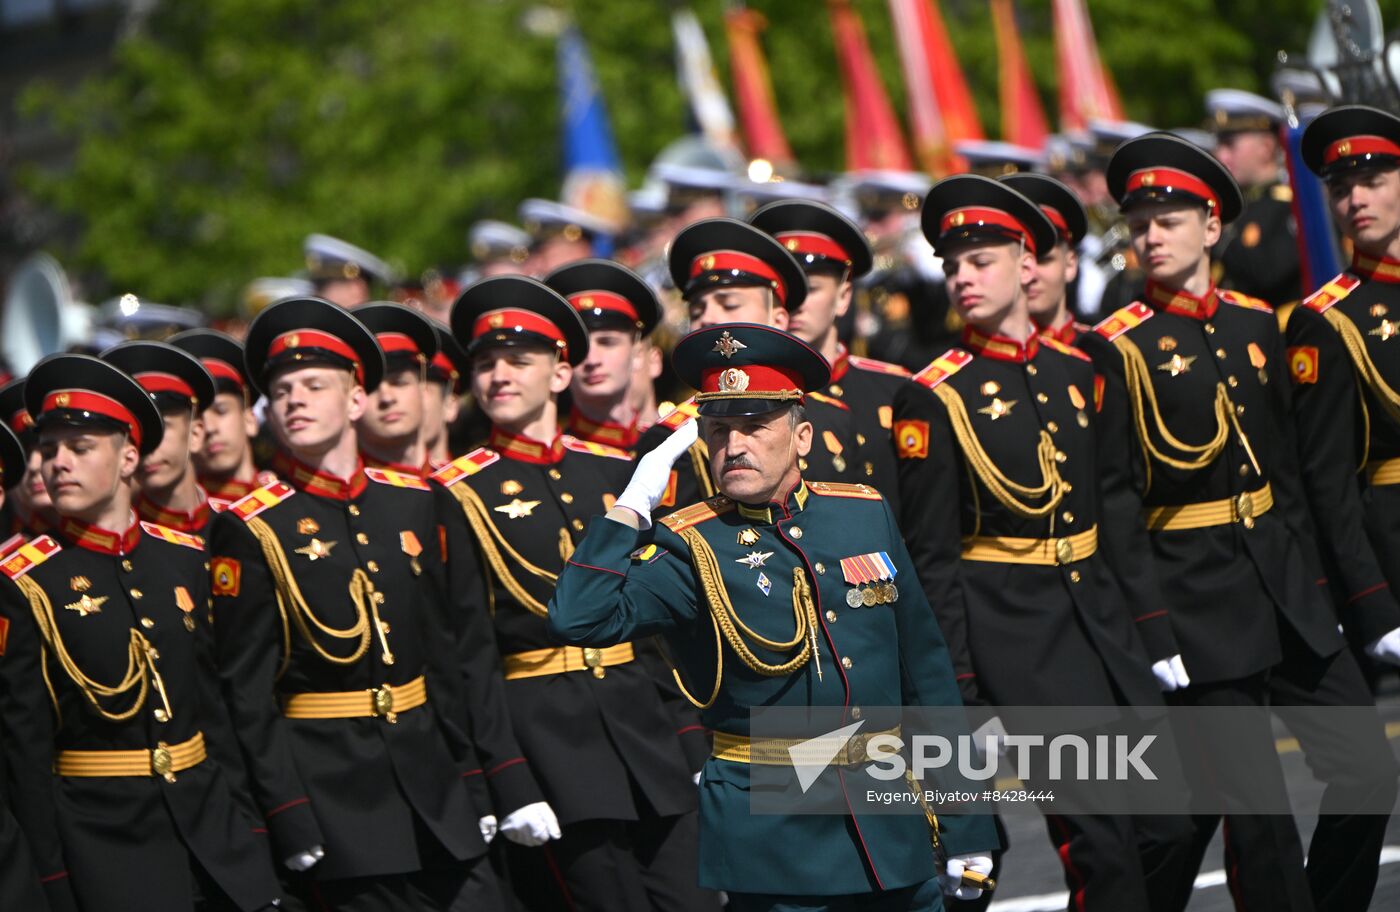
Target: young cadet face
<point x="229" y="428"/>
<point x="30" y="493"/>
<point x="1171" y="239"/>
<point x="1366" y="207"/>
<point x="606" y="373"/>
<point x="737" y="304"/>
<point x="166" y="465"/>
<point x="83" y="468"/>
<point x="514" y="384"/>
<point x="754" y="456"/>
<point x="395" y="411"/>
<point x="828" y="299"/>
<point x="985" y="278"/>
<point x="311" y="408"/>
<point x="1053" y="273"/>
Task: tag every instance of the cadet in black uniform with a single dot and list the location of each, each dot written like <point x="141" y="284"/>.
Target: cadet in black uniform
<point x="591" y="722"/>
<point x="1047" y="296"/>
<point x="182" y="389"/>
<point x="127" y="778"/>
<point x="835" y="254"/>
<point x="325" y="649"/>
<point x="447" y="381"/>
<point x="28" y="510"/>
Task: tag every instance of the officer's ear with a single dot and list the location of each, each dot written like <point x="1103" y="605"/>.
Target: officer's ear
<point x="128" y="456"/>
<point x="1213" y="228"/>
<point x="1071" y="264"/>
<point x="197" y="431"/>
<point x="1027" y="265"/>
<point x="561" y="376"/>
<point x="801" y="429"/>
<point x="844" y="293"/>
<point x="358" y="402"/>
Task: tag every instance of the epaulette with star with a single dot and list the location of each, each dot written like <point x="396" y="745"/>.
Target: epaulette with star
<point x="695" y="514"/>
<point x="1239" y="299"/>
<point x="1331" y="293"/>
<point x="842" y="489"/>
<point x="879" y="367"/>
<point x="1124" y="319"/>
<point x="943" y="367"/>
<point x="1062" y="348"/>
<point x="680" y="414"/>
<point x="267" y="496"/>
<point x="597" y="449"/>
<point x="396" y="479"/>
<point x="28" y="556"/>
<point x="463" y="466"/>
<point x="174" y="536"/>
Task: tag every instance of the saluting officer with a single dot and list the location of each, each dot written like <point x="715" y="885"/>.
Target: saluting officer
<point x="325" y="647"/>
<point x="834" y="254"/>
<point x="182" y="389"/>
<point x="28" y="511"/>
<point x="999" y="483"/>
<point x="1196" y="427"/>
<point x="127" y="778"/>
<point x="620" y="311"/>
<point x="1047" y="295"/>
<point x="621" y="805"/>
<point x="224" y="463"/>
<point x="717" y="577"/>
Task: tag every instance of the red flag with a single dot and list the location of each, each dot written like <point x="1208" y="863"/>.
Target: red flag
<point x="1087" y="91"/>
<point x="873" y="140"/>
<point x="940" y="104"/>
<point x="1022" y="117"/>
<point x="753" y="88"/>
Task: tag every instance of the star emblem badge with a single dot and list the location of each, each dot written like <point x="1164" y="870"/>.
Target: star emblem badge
<point x="998" y="408"/>
<point x="87" y="605"/>
<point x="754" y="559"/>
<point x="316" y="549"/>
<point x="1386" y="330"/>
<point x="517" y="508"/>
<point x="1179" y="364"/>
<point x="727" y="345"/>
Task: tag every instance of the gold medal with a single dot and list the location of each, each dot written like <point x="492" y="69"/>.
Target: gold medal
<point x="867" y="598"/>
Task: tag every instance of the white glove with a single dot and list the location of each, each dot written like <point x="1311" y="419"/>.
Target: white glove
<point x="487" y="825"/>
<point x="531" y="825"/>
<point x="696" y="778"/>
<point x="951" y="878"/>
<point x="648" y="485"/>
<point x="304" y="861"/>
<point x="1387" y="648"/>
<point x="1171" y="673"/>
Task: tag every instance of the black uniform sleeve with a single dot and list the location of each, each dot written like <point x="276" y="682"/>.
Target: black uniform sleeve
<point x="248" y="649"/>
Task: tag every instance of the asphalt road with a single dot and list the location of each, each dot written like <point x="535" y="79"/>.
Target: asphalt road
<point x="1031" y="877"/>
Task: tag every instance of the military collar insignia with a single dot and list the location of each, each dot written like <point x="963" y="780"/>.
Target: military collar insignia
<point x="1067" y="333"/>
<point x="606" y="432"/>
<point x="311" y="481"/>
<point x="1183" y="303"/>
<point x="841" y="364"/>
<point x="230" y="490"/>
<point x="91" y="538"/>
<point x="1000" y="348"/>
<point x="727" y="345"/>
<point x="178" y="520"/>
<point x="795" y="502"/>
<point x="1373" y="269"/>
<point x="523" y="449"/>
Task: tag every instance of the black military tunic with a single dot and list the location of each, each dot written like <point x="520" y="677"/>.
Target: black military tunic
<point x="868" y="387"/>
<point x="1257" y="253"/>
<point x="323" y="592"/>
<point x="88" y="610"/>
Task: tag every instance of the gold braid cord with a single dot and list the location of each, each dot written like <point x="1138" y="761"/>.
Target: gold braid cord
<point x="700" y="460"/>
<point x="493" y="543"/>
<point x="1143" y="397"/>
<point x="733" y="631"/>
<point x="141" y="669"/>
<point x="361" y="592"/>
<point x="1015" y="497"/>
<point x="1366" y="369"/>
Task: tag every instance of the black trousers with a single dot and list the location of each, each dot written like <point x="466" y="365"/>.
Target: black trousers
<point x="648" y="865"/>
<point x="917" y="898"/>
<point x="1357" y="766"/>
<point x="466" y="886"/>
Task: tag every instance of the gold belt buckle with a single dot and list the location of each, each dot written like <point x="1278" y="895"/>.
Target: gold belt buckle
<point x="855" y="749"/>
<point x="384" y="703"/>
<point x="161" y="762"/>
<point x="1244" y="507"/>
<point x="1064" y="550"/>
<point x="593" y="658"/>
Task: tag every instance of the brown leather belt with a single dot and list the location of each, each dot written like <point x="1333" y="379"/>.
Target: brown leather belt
<point x="1043" y="552"/>
<point x="535" y="663"/>
<point x="384" y="702"/>
<point x="164" y="760"/>
<point x="1241" y="508"/>
<point x="1383" y="472"/>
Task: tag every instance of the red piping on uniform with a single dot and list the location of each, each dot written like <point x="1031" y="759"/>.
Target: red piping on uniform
<point x="591" y="567"/>
<point x="1365" y="592"/>
<point x="262" y="830"/>
<point x="690" y="728"/>
<point x="290" y="804"/>
<point x="475" y="772"/>
<point x="1062" y="849"/>
<point x="964" y="677"/>
<point x="52" y="877"/>
<point x="558" y="878"/>
<point x="1149" y="616"/>
<point x="500" y="766"/>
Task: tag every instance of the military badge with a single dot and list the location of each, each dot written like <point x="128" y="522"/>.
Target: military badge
<point x="647" y="553"/>
<point x="1166" y="344"/>
<point x="80" y="584"/>
<point x="754" y="559"/>
<point x="87" y="605"/>
<point x="408" y="541"/>
<point x="911" y="439"/>
<point x="1178" y="365"/>
<point x="226" y="574"/>
<point x="765" y="585"/>
<point x="1302" y="364"/>
<point x="886" y="415"/>
<point x="517" y="508"/>
<point x="748" y="537"/>
<point x="1387" y="330"/>
<point x="510" y="487"/>
<point x="872" y="575"/>
<point x="308" y="526"/>
<point x="1257" y="358"/>
<point x="316" y="549"/>
<point x="998" y="408"/>
<point x="1379" y="310"/>
<point x="1076" y="397"/>
<point x="834" y="446"/>
<point x="728" y="346"/>
<point x="185" y="602"/>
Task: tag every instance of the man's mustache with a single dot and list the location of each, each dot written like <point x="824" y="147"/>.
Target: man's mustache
<point x="739" y="461"/>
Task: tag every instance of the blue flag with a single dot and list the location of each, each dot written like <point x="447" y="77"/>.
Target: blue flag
<point x="593" y="178"/>
<point x="1317" y="240"/>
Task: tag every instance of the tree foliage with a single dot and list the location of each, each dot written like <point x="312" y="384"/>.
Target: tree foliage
<point x="228" y="129"/>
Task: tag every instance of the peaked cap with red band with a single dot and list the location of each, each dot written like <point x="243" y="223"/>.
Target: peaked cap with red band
<point x="970" y="207"/>
<point x="222" y="357"/>
<point x="405" y="335"/>
<point x="310" y="332"/>
<point x="748" y="369"/>
<point x="512" y="310"/>
<point x="173" y="376"/>
<point x="1348" y="137"/>
<point x="816" y="235"/>
<point x="1161" y="167"/>
<point x="607" y="295"/>
<point x="12" y="461"/>
<point x="81" y="391"/>
<point x="716" y="252"/>
<point x="13" y="414"/>
<point x="450" y="365"/>
<point x="1060" y="204"/>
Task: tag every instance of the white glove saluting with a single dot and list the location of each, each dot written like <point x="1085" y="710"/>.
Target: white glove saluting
<point x="1171" y="673"/>
<point x="531" y="825"/>
<point x="305" y="861"/>
<point x="648" y="485"/>
<point x="951" y="878"/>
<point x="1387" y="648"/>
